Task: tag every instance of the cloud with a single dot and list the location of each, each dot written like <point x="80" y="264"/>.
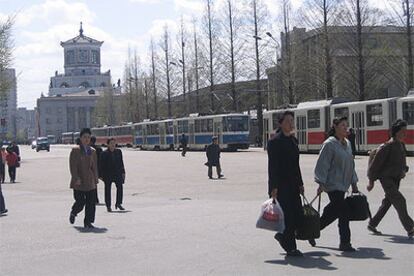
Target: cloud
<point x="192" y="5"/>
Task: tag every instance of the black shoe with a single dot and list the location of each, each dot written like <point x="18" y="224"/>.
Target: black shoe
<point x="373" y="230"/>
<point x="312" y="242"/>
<point x="72" y="218"/>
<point x="109" y="209"/>
<point x="88" y="225"/>
<point x="210" y="177"/>
<point x="294" y="253"/>
<point x="4" y="211"/>
<point x="411" y="233"/>
<point x="347" y="247"/>
<point x="220" y="176"/>
<point x="119" y="206"/>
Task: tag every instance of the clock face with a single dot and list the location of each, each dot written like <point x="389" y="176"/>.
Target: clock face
<point x="83" y="56"/>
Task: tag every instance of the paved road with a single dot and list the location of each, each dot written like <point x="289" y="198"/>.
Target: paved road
<point x="180" y="223"/>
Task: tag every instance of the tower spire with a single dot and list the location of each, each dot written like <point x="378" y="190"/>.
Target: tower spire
<point x="81" y="29"/>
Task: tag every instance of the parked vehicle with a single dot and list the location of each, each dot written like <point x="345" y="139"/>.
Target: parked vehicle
<point x="42" y="143"/>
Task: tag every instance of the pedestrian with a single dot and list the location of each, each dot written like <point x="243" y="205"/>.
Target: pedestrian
<point x="285" y="181"/>
<point x="12" y="162"/>
<point x="351" y="138"/>
<point x="98" y="151"/>
<point x="15" y="148"/>
<point x="335" y="173"/>
<point x="183" y="143"/>
<point x="213" y="158"/>
<point x="389" y="166"/>
<point x="3" y="161"/>
<point x="3" y="209"/>
<point x="84" y="177"/>
<point x="113" y="170"/>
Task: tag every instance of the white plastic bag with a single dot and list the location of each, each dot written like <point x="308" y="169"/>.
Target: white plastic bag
<point x="271" y="216"/>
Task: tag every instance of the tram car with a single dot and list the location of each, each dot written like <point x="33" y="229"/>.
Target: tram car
<point x="102" y="134"/>
<point x="123" y="135"/>
<point x="405" y="110"/>
<point x="154" y="135"/>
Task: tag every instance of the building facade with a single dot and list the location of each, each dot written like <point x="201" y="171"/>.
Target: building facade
<point x="8" y="104"/>
<point x="26" y="124"/>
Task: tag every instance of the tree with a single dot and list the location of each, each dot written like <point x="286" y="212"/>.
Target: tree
<point x="166" y="48"/>
<point x="6" y="51"/>
<point x="154" y="78"/>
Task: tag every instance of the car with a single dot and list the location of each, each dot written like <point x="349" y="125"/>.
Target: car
<point x="33" y="144"/>
<point x="42" y="143"/>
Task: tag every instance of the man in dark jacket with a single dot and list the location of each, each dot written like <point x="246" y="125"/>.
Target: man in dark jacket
<point x="285" y="181"/>
<point x="213" y="158"/>
<point x="390" y="166"/>
<point x="98" y="151"/>
<point x="112" y="170"/>
<point x="183" y="142"/>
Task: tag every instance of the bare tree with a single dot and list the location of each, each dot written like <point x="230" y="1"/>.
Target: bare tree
<point x="196" y="66"/>
<point x="167" y="59"/>
<point x="182" y="60"/>
<point x="209" y="16"/>
<point x="154" y="78"/>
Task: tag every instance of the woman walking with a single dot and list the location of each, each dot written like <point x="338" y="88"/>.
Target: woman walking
<point x="12" y="160"/>
<point x="335" y="173"/>
<point x="84" y="173"/>
<point x="285" y="181"/>
<point x="113" y="170"/>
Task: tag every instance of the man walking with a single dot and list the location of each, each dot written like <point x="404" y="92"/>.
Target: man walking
<point x="213" y="158"/>
<point x="183" y="142"/>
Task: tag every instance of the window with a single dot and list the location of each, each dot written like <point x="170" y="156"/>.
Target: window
<point x="236" y="123"/>
<point x="153" y="129"/>
<point x="374" y="115"/>
<point x="138" y="131"/>
<point x="169" y="128"/>
<point x="314" y="118"/>
<point x="182" y="126"/>
<point x="408" y="112"/>
<point x="95" y="57"/>
<point x="204" y="125"/>
<point x="70" y="57"/>
<point x="83" y="56"/>
<point x="341" y="112"/>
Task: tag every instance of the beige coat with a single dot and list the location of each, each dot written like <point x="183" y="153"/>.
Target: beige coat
<point x="83" y="168"/>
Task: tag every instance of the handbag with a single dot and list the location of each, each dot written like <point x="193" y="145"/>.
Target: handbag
<point x="358" y="207"/>
<point x="310" y="228"/>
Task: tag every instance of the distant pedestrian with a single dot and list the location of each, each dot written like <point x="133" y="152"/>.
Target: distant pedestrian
<point x="351" y="138"/>
<point x="335" y="173"/>
<point x="183" y="143"/>
<point x="98" y="151"/>
<point x="3" y="209"/>
<point x="213" y="158"/>
<point x="112" y="167"/>
<point x="84" y="177"/>
<point x="12" y="162"/>
<point x="389" y="166"/>
<point x="285" y="181"/>
<point x="15" y="148"/>
<point x="3" y="162"/>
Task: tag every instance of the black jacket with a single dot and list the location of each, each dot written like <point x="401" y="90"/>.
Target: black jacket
<point x="283" y="165"/>
<point x="111" y="165"/>
<point x="213" y="155"/>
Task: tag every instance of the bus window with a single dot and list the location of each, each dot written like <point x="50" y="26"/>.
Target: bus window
<point x="408" y="112"/>
<point x="374" y="115"/>
<point x="314" y="118"/>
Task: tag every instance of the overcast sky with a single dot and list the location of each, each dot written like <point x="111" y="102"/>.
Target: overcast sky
<point x="42" y="24"/>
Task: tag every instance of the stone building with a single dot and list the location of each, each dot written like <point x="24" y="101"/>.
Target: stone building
<point x="8" y="105"/>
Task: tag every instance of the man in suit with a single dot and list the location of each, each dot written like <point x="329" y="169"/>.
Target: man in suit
<point x="112" y="168"/>
<point x="213" y="158"/>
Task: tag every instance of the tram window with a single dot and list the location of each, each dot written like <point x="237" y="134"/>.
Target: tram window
<point x="408" y="112"/>
<point x="197" y="125"/>
<point x="314" y="118"/>
<point x="139" y="131"/>
<point x="374" y="115"/>
<point x="168" y="128"/>
<point x="182" y="126"/>
<point x="341" y="112"/>
<point x="275" y="120"/>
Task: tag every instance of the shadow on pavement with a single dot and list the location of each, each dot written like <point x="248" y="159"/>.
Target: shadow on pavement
<point x="95" y="230"/>
<point x="361" y="253"/>
<point x="398" y="239"/>
<point x="121" y="212"/>
<point x="310" y="260"/>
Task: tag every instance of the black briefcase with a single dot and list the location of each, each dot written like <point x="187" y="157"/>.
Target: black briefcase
<point x="310" y="228"/>
<point x="358" y="207"/>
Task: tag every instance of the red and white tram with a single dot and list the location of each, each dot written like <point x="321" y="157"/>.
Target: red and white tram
<point x="102" y="134"/>
<point x="405" y="110"/>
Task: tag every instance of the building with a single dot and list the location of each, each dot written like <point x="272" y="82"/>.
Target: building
<point x="74" y="95"/>
<point x="385" y="59"/>
<point x="26" y="124"/>
<point x="8" y="104"/>
<point x="82" y="63"/>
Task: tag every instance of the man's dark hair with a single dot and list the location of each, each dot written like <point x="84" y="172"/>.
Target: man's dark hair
<point x="93" y="140"/>
<point x="397" y="126"/>
<point x="286" y="113"/>
<point x="109" y="140"/>
<point x="85" y="131"/>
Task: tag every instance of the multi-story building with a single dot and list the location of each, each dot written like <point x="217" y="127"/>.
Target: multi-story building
<point x="25" y="122"/>
<point x="8" y="104"/>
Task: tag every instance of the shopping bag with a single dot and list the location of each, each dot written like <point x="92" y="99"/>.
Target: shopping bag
<point x="310" y="227"/>
<point x="358" y="206"/>
<point x="271" y="216"/>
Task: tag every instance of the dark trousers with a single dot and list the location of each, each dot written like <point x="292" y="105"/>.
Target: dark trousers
<point x="393" y="197"/>
<point x="119" y="193"/>
<point x="184" y="151"/>
<point x="2" y="204"/>
<point x="96" y="195"/>
<point x="12" y="173"/>
<point x="210" y="170"/>
<point x="293" y="211"/>
<point x="2" y="172"/>
<point x="87" y="200"/>
<point x="337" y="209"/>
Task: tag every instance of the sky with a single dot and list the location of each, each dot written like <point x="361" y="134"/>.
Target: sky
<point x="122" y="24"/>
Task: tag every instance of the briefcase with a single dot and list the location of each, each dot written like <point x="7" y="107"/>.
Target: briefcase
<point x="358" y="207"/>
